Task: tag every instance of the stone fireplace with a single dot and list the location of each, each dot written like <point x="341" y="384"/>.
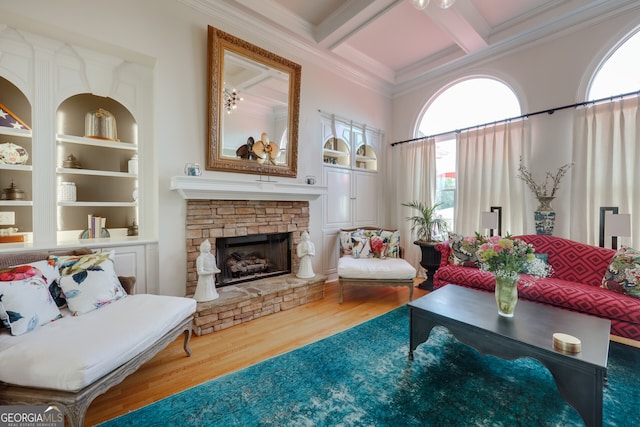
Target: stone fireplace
<point x="213" y="219"/>
<point x="220" y="209"/>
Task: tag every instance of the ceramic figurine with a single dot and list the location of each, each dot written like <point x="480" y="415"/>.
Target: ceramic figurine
<point x="206" y="267"/>
<point x="305" y="251"/>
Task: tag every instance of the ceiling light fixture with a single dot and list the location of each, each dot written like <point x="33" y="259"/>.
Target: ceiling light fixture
<point x="231" y="99"/>
<point x="422" y="4"/>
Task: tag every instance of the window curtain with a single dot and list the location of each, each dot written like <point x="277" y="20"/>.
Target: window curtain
<point x="606" y="151"/>
<point x="487" y="175"/>
<point x="415" y="179"/>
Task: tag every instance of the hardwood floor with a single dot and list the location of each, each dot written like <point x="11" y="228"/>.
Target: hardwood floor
<point x="235" y="348"/>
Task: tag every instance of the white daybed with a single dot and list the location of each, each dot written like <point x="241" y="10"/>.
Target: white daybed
<point x="72" y="360"/>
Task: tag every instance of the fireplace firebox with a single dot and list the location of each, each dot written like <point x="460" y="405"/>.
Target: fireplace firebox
<point x="245" y="258"/>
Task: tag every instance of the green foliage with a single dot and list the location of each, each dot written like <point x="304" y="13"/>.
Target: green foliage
<point x="427" y="225"/>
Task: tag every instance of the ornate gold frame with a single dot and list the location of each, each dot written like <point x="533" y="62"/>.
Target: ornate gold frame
<point x="219" y="42"/>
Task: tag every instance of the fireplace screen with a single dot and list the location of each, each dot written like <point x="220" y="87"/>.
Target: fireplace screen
<point x="245" y="258"/>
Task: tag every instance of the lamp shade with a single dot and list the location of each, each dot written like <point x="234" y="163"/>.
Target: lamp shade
<point x="489" y="220"/>
<point x="617" y="225"/>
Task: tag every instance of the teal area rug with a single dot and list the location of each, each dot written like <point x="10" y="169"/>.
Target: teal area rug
<point x="362" y="377"/>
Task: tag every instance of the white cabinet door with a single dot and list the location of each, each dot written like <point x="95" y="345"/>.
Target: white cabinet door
<point x="337" y="201"/>
<point x="366" y="200"/>
<point x="130" y="261"/>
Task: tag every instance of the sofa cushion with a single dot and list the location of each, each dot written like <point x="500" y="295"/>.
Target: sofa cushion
<point x="375" y="268"/>
<point x="623" y="273"/>
<point x="81" y="349"/>
<point x="26" y="304"/>
<point x="89" y="281"/>
<point x="583" y="298"/>
<point x="464" y="276"/>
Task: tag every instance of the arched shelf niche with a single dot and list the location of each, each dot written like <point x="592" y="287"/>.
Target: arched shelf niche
<point x="15" y="129"/>
<point x="106" y="185"/>
<point x="336" y="151"/>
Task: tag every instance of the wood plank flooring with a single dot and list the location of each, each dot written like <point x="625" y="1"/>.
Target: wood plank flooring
<point x="235" y="348"/>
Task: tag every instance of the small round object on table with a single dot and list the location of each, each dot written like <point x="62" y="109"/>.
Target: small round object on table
<point x="566" y="343"/>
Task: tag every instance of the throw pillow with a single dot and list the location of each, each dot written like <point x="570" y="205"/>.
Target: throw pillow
<point x="26" y="305"/>
<point x="392" y="239"/>
<point x="623" y="273"/>
<point x="346" y="245"/>
<point x="463" y="250"/>
<point x="361" y="247"/>
<point x="51" y="275"/>
<point x="89" y="281"/>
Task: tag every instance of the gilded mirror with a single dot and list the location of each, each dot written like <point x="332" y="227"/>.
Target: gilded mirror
<point x="253" y="103"/>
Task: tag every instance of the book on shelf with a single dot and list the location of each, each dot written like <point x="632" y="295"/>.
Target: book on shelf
<point x="95" y="224"/>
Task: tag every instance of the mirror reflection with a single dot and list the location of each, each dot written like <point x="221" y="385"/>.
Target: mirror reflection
<point x="256" y="101"/>
<point x="254" y="104"/>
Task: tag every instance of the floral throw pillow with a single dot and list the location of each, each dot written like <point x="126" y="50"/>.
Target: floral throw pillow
<point x="89" y="281"/>
<point x="623" y="273"/>
<point x="50" y="275"/>
<point x="361" y="247"/>
<point x="392" y="239"/>
<point x="26" y="304"/>
<point x="346" y="245"/>
<point x="463" y="250"/>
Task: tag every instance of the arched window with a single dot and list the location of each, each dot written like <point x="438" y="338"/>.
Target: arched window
<point x="619" y="73"/>
<point x="607" y="131"/>
<point x="468" y="103"/>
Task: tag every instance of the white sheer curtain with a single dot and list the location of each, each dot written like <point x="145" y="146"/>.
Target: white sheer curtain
<point x="606" y="151"/>
<point x="487" y="170"/>
<point x="414" y="164"/>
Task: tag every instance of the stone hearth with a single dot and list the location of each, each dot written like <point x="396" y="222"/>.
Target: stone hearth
<point x="242" y="302"/>
<point x="248" y="301"/>
<point x="209" y="219"/>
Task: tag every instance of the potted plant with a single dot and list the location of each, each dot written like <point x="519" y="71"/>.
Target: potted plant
<point x="429" y="229"/>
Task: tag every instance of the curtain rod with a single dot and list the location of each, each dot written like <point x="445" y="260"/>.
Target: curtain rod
<point x="524" y="116"/>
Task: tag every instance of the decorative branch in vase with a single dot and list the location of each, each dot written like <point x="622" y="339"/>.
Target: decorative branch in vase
<point x="543" y="193"/>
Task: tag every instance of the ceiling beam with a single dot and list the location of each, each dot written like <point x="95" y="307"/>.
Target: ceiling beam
<point x="348" y="19"/>
<point x="464" y="24"/>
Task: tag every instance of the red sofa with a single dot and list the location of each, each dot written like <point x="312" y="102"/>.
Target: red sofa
<point x="578" y="270"/>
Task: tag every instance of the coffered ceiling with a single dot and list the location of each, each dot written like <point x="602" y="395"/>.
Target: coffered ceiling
<point x="391" y="45"/>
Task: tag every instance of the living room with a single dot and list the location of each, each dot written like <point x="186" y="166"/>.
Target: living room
<point x="554" y="78"/>
<point x="168" y="39"/>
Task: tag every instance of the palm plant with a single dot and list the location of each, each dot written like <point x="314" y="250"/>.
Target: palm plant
<point x="427" y="225"/>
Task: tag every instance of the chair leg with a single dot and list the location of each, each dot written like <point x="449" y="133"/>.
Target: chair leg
<point x="411" y="292"/>
<point x="340" y="293"/>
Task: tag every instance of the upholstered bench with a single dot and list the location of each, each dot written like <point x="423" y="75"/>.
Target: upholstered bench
<point x="76" y="356"/>
<point x="370" y="256"/>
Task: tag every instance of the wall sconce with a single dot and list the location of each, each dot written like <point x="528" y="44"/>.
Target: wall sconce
<point x="614" y="225"/>
<point x="492" y="220"/>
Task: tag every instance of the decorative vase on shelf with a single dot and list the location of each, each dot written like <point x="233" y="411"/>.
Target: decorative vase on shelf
<point x="545" y="216"/>
<point x="506" y="294"/>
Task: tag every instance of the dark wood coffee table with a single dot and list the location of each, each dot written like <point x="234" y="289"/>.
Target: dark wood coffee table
<point x="472" y="317"/>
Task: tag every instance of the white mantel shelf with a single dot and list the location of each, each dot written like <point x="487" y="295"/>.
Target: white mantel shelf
<point x="199" y="188"/>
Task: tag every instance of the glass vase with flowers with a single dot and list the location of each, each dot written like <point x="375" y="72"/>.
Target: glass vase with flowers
<point x="506" y="257"/>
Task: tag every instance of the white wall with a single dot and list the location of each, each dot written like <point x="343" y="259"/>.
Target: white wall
<point x="175" y="36"/>
<point x="550" y="73"/>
